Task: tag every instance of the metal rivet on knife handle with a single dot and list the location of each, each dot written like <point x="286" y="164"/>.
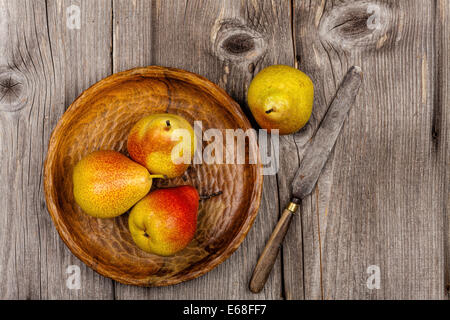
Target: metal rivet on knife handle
<point x="316" y="156"/>
<point x="292" y="207"/>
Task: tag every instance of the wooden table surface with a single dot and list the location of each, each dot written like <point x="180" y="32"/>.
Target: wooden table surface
<point x="381" y="205"/>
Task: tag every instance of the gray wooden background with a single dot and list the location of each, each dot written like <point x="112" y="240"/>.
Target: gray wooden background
<point x="382" y="200"/>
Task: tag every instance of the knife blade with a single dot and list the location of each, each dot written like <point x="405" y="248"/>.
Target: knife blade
<point x="315" y="158"/>
<point x="318" y="151"/>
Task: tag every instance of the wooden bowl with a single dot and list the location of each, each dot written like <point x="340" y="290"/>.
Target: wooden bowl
<point x="100" y="119"/>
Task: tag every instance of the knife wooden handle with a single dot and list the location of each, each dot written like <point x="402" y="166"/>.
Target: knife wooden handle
<point x="269" y="255"/>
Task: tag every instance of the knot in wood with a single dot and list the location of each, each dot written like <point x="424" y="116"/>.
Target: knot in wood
<point x="239" y="43"/>
<point x="236" y="42"/>
<point x="363" y="25"/>
<point x="12" y="90"/>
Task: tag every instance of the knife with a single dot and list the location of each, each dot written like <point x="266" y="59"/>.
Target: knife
<point x="316" y="156"/>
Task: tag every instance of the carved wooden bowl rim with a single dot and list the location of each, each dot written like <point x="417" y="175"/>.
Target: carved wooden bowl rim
<point x="51" y="195"/>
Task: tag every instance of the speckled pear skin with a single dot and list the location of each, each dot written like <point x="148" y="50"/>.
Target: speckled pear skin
<point x="107" y="184"/>
<point x="164" y="222"/>
<point x="152" y="140"/>
<point x="101" y="119"/>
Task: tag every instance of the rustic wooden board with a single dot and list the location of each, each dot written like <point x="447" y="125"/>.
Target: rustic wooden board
<point x="90" y="48"/>
<point x="182" y="36"/>
<point x="38" y="48"/>
<point x="379" y="200"/>
<point x="383" y="198"/>
<point x="442" y="118"/>
<point x="24" y="61"/>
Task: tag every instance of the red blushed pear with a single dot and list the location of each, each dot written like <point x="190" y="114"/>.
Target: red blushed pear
<point x="164" y="222"/>
<point x="163" y="143"/>
<point x="107" y="184"/>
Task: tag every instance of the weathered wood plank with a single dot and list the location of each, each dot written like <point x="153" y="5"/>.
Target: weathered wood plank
<point x="48" y="67"/>
<point x="28" y="91"/>
<point x="18" y="229"/>
<point x="227" y="45"/>
<point x="379" y="200"/>
<point x="132" y="34"/>
<point x="292" y="249"/>
<point x="84" y="57"/>
<point x="442" y="118"/>
<point x="382" y="198"/>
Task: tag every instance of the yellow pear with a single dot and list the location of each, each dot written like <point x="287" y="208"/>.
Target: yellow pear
<point x="163" y="143"/>
<point x="281" y="97"/>
<point x="107" y="184"/>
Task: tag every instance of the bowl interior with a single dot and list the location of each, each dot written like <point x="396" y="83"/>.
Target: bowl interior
<point x="101" y="119"/>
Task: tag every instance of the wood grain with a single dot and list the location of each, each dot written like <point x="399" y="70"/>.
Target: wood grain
<point x="33" y="258"/>
<point x="270" y="253"/>
<point x="184" y="37"/>
<point x="23" y="68"/>
<point x="37" y="48"/>
<point x="321" y="145"/>
<point x="83" y="58"/>
<point x="379" y="200"/>
<point x="441" y="120"/>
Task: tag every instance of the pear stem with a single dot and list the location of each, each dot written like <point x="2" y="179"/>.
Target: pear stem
<point x="158" y="176"/>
